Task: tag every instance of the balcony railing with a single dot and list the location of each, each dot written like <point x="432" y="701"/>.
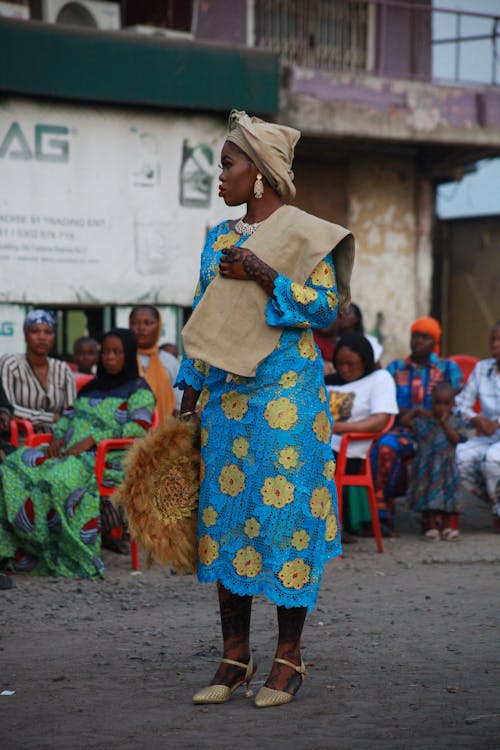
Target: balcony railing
<point x="384" y="37"/>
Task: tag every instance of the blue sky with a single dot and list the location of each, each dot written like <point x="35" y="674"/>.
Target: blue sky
<point x="479" y="193"/>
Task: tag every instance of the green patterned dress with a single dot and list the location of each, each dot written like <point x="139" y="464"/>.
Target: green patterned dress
<point x="49" y="507"/>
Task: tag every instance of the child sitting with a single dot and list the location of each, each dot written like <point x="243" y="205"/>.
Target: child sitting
<point x="434" y="476"/>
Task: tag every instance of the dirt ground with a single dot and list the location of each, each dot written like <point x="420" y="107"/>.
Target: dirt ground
<point x="402" y="651"/>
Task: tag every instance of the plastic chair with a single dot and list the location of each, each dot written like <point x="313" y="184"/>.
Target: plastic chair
<point x="100" y="464"/>
<point x="466" y="363"/>
<point x="364" y="478"/>
<point x="20" y="426"/>
<point x="81" y="380"/>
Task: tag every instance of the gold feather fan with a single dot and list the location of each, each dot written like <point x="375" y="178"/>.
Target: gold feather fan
<point x="160" y="493"/>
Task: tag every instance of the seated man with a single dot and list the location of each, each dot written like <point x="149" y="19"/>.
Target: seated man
<point x="479" y="458"/>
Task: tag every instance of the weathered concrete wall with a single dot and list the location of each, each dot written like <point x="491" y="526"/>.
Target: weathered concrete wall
<point x="389" y="209"/>
<point x="383" y="217"/>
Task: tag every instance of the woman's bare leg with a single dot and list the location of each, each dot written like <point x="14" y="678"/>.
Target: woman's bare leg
<point x="235" y="613"/>
<point x="290" y="625"/>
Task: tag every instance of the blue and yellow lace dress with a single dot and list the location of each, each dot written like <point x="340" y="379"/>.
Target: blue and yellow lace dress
<point x="267" y="517"/>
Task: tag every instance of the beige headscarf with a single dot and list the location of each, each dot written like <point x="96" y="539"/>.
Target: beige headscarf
<point x="269" y="146"/>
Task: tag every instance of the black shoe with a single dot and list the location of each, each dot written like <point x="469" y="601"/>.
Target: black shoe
<point x="5" y="581"/>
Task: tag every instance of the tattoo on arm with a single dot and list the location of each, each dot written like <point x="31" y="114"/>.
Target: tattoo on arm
<point x="260" y="272"/>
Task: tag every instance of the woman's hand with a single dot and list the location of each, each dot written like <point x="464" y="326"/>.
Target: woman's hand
<point x="242" y="264"/>
<point x="83" y="445"/>
<point x="55" y="448"/>
<point x="237" y="263"/>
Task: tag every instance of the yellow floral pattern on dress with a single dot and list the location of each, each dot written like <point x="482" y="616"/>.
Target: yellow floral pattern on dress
<point x="231" y="480"/>
<point x="234" y="405"/>
<point x="289" y="379"/>
<point x="202" y="470"/>
<point x="260" y="522"/>
<point x="277" y="491"/>
<point x="201" y="366"/>
<point x="281" y="414"/>
<point x="224" y="241"/>
<point x="209" y="516"/>
<point x="204" y="396"/>
<point x="301" y="539"/>
<point x="331" y="527"/>
<point x="240" y="447"/>
<point x="303" y="294"/>
<point x="323" y="275"/>
<point x="320" y="502"/>
<point x="288" y="457"/>
<point x="294" y="574"/>
<point x="247" y="562"/>
<point x="332" y="299"/>
<point x="306" y="346"/>
<point x="329" y="469"/>
<point x="321" y="427"/>
<point x="208" y="550"/>
<point x="252" y="528"/>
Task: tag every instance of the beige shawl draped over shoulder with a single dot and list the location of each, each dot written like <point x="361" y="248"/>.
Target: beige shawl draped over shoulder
<point x="228" y="329"/>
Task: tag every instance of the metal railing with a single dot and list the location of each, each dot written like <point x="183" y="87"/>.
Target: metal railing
<point x="445" y="44"/>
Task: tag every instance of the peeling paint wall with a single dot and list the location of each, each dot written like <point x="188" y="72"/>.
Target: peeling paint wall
<point x="382" y="214"/>
<point x="389" y="209"/>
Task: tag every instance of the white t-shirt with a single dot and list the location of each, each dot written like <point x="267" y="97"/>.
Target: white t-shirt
<point x="351" y="402"/>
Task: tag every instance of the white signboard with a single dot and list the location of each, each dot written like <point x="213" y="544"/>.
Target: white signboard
<point x="103" y="206"/>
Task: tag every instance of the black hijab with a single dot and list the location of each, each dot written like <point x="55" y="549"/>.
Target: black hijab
<point x="103" y="380"/>
<point x="357" y="343"/>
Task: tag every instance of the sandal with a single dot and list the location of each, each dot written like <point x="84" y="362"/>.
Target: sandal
<point x="222" y="693"/>
<point x="267" y="697"/>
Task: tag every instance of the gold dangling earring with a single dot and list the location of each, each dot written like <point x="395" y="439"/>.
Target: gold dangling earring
<point x="258" y="186"/>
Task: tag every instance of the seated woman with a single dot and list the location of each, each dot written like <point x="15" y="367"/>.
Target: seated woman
<point x="479" y="458"/>
<point x="38" y="386"/>
<point x="49" y="502"/>
<point x="6" y="412"/>
<point x="415" y="378"/>
<point x="361" y="400"/>
<point x="158" y="367"/>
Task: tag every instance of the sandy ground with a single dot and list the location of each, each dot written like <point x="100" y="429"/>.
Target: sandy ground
<point x="402" y="652"/>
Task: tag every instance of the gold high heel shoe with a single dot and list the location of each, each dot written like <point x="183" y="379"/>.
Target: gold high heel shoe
<point x="222" y="693"/>
<point x="267" y="697"/>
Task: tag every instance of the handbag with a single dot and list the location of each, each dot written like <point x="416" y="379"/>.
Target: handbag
<point x="160" y="493"/>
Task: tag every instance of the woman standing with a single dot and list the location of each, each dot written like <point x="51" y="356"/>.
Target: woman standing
<point x="49" y="501"/>
<point x="158" y="367"/>
<point x="38" y="387"/>
<point x="267" y="517"/>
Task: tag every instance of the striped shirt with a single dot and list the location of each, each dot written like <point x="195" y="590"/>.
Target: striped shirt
<point x="29" y="398"/>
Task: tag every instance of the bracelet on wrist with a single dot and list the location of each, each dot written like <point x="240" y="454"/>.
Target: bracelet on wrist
<point x="186" y="414"/>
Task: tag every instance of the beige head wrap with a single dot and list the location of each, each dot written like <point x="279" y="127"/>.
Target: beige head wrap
<point x="269" y="146"/>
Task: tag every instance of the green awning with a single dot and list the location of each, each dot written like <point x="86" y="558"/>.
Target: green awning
<point x="38" y="59"/>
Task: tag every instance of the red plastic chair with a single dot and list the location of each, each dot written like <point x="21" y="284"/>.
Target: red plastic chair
<point x="466" y="363"/>
<point x="18" y="427"/>
<point x="100" y="464"/>
<point x="363" y="479"/>
<point x="81" y="380"/>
